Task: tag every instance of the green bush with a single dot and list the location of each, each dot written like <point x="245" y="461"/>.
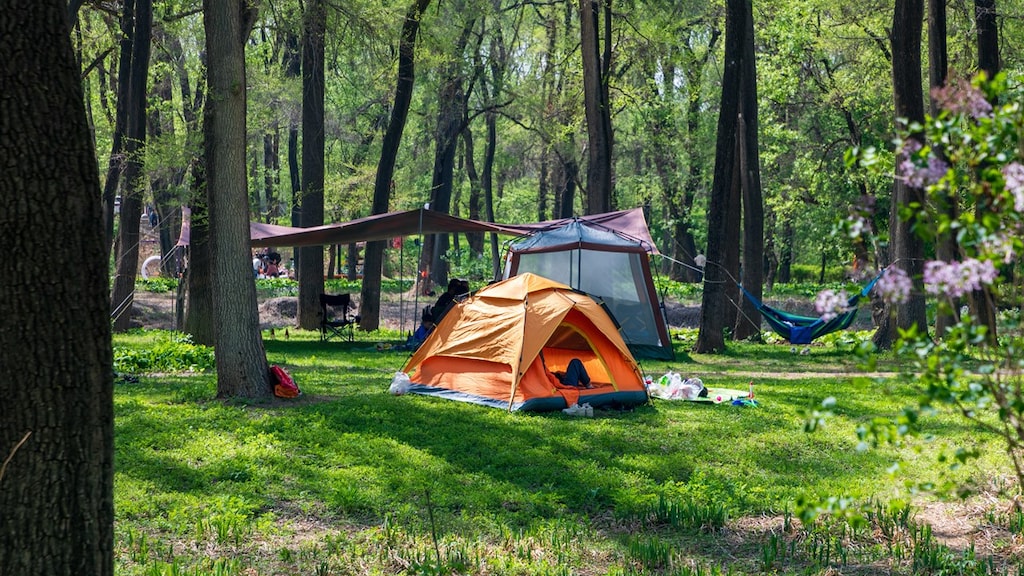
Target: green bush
<point x="162" y="351"/>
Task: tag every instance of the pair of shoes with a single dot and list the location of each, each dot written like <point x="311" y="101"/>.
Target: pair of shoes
<point x="577" y="410"/>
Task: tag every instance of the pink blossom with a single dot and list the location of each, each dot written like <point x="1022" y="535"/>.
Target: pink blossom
<point x="1013" y="176"/>
<point x="955" y="279"/>
<point x="894" y="286"/>
<point x="961" y="98"/>
<point x="830" y="304"/>
<point x="858" y="225"/>
<point x="922" y="176"/>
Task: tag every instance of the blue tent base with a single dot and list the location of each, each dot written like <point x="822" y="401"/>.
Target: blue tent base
<point x="550" y="404"/>
<point x="805" y="329"/>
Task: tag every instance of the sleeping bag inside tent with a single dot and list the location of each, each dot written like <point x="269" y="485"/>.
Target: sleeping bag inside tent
<point x="499" y="346"/>
<point x="607" y="264"/>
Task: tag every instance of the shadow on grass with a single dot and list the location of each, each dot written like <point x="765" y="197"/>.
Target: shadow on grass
<point x="363" y="453"/>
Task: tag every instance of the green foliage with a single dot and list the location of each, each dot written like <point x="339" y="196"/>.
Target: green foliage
<point x="349" y="475"/>
<point x="969" y="154"/>
<point x="157" y="284"/>
<point x="158" y="351"/>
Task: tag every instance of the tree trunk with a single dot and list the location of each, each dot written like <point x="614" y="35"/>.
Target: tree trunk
<point x="748" y="325"/>
<point x="597" y="107"/>
<point x="786" y="250"/>
<point x="475" y="239"/>
<point x="906" y="249"/>
<point x="293" y="70"/>
<point x="983" y="301"/>
<point x="488" y="182"/>
<point x="269" y="175"/>
<point x="57" y="428"/>
<point x="165" y="183"/>
<point x="242" y="369"/>
<point x="115" y="165"/>
<point x="946" y="248"/>
<point x="369" y="296"/>
<point x="714" y="304"/>
<point x="311" y="261"/>
<point x="451" y="110"/>
<point x="134" y="178"/>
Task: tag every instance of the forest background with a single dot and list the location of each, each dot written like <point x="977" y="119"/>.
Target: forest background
<point x="497" y="122"/>
<point x="517" y="111"/>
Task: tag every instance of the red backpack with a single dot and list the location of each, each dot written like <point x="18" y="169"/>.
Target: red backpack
<point x="284" y="385"/>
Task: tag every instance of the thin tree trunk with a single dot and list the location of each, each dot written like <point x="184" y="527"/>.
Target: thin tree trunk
<point x="983" y="301"/>
<point x="946" y="248"/>
<point x="906" y="249"/>
<point x="123" y="294"/>
<point x="748" y="325"/>
<point x="57" y="427"/>
<point x="597" y="108"/>
<point x="115" y="165"/>
<point x="714" y="304"/>
<point x="311" y="261"/>
<point x="369" y="296"/>
<point x="475" y="239"/>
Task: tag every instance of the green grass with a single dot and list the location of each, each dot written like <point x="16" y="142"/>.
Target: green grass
<point x="348" y="479"/>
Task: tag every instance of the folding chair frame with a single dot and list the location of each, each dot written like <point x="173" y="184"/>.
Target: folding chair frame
<point x="342" y="328"/>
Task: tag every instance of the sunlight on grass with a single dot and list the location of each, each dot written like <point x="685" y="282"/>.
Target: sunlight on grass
<point x="348" y="479"/>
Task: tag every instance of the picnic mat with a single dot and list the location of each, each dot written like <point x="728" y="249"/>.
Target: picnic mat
<point x="721" y="396"/>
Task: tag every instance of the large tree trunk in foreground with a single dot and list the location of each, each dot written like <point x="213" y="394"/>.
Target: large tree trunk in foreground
<point x="57" y="423"/>
<point x="242" y="369"/>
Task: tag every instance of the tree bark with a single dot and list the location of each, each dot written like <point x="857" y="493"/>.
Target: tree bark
<point x="714" y="304"/>
<point x="474" y="239"/>
<point x="115" y="165"/>
<point x="906" y="249"/>
<point x="946" y="248"/>
<point x="596" y="106"/>
<point x="983" y="301"/>
<point x="369" y="296"/>
<point x="311" y="261"/>
<point x="134" y="187"/>
<point x="451" y="111"/>
<point x="166" y="182"/>
<point x="242" y="369"/>
<point x="57" y="428"/>
<point x="748" y="324"/>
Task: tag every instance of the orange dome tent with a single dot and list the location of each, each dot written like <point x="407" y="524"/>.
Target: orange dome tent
<point x="492" y="349"/>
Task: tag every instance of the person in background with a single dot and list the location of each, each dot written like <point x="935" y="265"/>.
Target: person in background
<point x="425" y="328"/>
<point x="273" y="269"/>
<point x="257" y="265"/>
<point x="446" y="300"/>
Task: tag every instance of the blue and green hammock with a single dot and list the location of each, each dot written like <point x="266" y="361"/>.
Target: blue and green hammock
<point x="805" y="329"/>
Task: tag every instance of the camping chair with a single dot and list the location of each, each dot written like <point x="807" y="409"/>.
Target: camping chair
<point x="342" y="328"/>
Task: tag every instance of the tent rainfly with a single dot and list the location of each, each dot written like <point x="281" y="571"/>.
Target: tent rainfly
<point x="492" y="349"/>
<point x="607" y="264"/>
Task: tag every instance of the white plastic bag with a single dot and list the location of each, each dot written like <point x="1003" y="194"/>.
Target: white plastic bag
<point x="400" y="383"/>
<point x="691" y="387"/>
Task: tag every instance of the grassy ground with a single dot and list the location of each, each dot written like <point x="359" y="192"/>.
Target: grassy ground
<point x="350" y="480"/>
